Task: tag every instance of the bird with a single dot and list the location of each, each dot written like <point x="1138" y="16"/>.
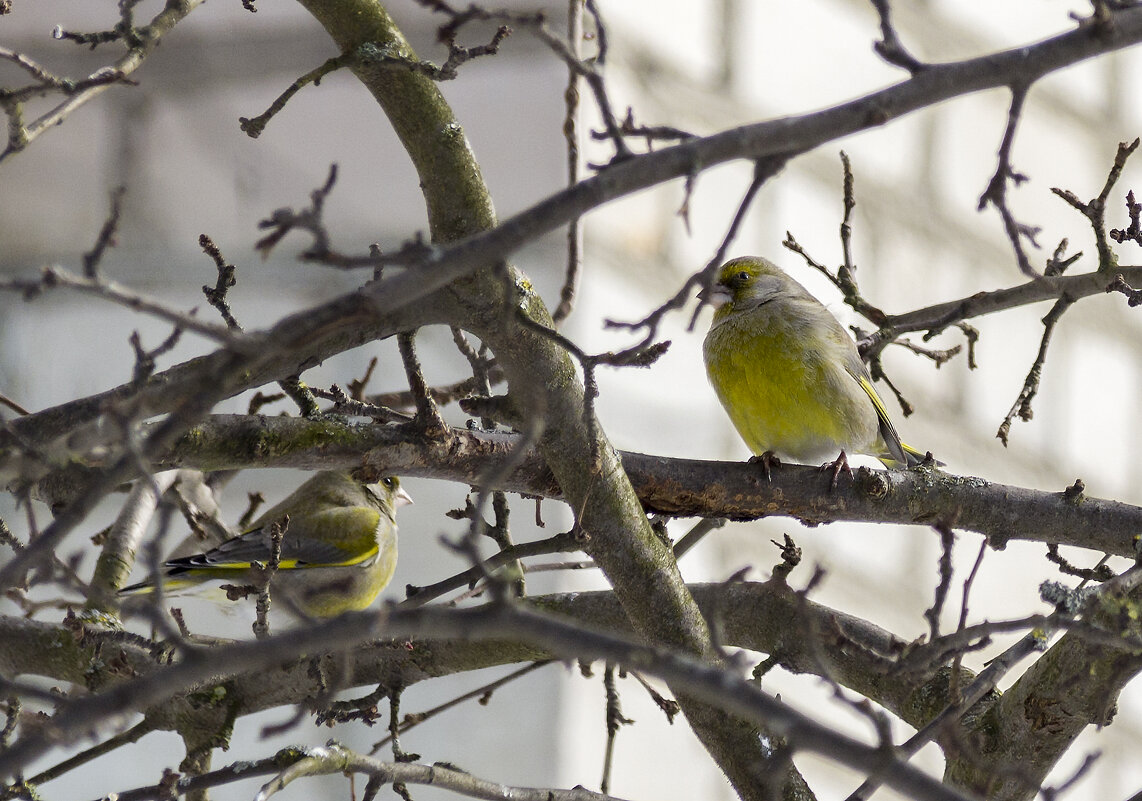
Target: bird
<point x="788" y="375"/>
<point x="338" y="547"/>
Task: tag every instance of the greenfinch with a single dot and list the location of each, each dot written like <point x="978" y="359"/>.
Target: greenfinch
<point x="338" y="547"/>
<point x="789" y="376"/>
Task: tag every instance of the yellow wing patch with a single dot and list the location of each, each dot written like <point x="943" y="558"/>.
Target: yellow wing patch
<point x="887" y="431"/>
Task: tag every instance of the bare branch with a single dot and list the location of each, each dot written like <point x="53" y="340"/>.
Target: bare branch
<point x="710" y="683"/>
<point x="216" y="295"/>
<point x="80" y="92"/>
<point x="890" y="47"/>
<point x="53" y="277"/>
<point x="1133" y="296"/>
<point x="1022" y="405"/>
<point x="996" y="192"/>
<point x="253" y="127"/>
<point x="675" y="487"/>
<point x="106" y="234"/>
<point x="1095" y="209"/>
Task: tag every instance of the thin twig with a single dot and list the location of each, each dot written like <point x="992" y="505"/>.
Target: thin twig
<point x="216" y="295"/>
<point x="106" y="236"/>
<point x="560" y="543"/>
<point x="961" y="624"/>
<point x="763" y="171"/>
<point x="145" y="360"/>
<point x="427" y="419"/>
<point x="1095" y="209"/>
<point x="1133" y="296"/>
<point x="79" y="92"/>
<point x="1022" y="405"/>
<point x="567" y="52"/>
<point x="996" y="191"/>
<point x="484" y="693"/>
<point x="614" y="719"/>
<point x="253" y="127"/>
<point x="343" y="404"/>
<point x="890" y="47"/>
<point x="11" y="404"/>
<point x="947" y="543"/>
<point x="1133" y="232"/>
<point x="571" y="137"/>
<point x="53" y="277"/>
<point x="697" y="534"/>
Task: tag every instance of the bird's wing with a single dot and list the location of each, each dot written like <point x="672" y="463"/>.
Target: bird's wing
<point x="887" y="431"/>
<point x="297" y="550"/>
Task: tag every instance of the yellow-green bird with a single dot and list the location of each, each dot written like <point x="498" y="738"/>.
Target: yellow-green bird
<point x="338" y="549"/>
<point x="788" y="374"/>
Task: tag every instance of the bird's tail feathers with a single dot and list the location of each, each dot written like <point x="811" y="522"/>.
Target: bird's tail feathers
<point x="913" y="458"/>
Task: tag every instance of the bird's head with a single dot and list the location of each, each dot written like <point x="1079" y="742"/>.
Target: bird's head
<point x="746" y="282"/>
<point x="389" y="492"/>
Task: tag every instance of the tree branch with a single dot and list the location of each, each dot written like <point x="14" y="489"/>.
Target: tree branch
<point x="677" y="487"/>
<point x="145" y="40"/>
<point x="546" y="633"/>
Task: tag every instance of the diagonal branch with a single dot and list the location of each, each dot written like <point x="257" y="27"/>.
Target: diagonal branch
<point x="1022" y="404"/>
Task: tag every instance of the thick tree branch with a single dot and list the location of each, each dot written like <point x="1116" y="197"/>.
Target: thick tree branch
<point x="1074" y="685"/>
<point x="678" y="487"/>
<point x="546" y="633"/>
<point x="754" y="616"/>
<point x="860" y="656"/>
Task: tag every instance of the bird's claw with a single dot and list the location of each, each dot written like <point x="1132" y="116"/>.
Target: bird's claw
<point x="836" y="467"/>
<point x="768" y="461"/>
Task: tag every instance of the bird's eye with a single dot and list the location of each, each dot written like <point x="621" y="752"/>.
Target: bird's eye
<point x="743" y="276"/>
<point x="389" y="482"/>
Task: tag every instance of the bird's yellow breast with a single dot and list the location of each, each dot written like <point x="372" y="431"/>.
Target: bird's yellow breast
<point x="781" y="393"/>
